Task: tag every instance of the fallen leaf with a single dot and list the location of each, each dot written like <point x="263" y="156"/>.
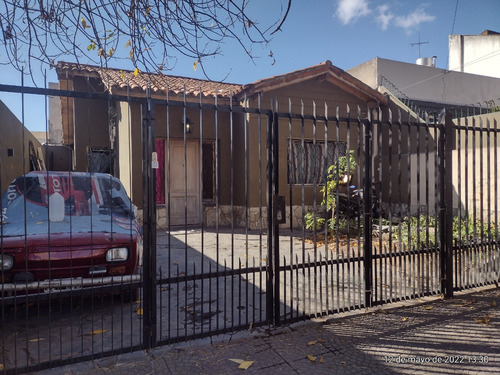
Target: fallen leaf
<point x="404" y="319"/>
<point x="321" y="359"/>
<point x="429" y="307"/>
<point x="37" y="340"/>
<point x="473" y="300"/>
<point x="1" y="367"/>
<point x="139" y="311"/>
<point x="311" y="343"/>
<point x="420" y="300"/>
<point x="98" y="331"/>
<point x="493" y="303"/>
<point x="245" y="365"/>
<point x="484" y="320"/>
<point x="250" y="327"/>
<point x="311" y="358"/>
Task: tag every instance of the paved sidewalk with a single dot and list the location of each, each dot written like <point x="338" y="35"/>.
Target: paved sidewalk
<point x="426" y="336"/>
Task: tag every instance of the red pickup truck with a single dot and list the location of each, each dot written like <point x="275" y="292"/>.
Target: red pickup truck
<point x="66" y="231"/>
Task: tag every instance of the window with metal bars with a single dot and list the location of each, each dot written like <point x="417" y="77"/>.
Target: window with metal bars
<point x="308" y="161"/>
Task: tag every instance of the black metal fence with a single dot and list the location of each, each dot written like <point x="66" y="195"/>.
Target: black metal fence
<point x="236" y="229"/>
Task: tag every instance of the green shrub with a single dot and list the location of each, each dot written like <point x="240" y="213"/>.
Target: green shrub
<point x="345" y="165"/>
<point x="423" y="231"/>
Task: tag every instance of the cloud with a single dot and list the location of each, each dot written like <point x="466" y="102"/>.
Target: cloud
<point x="350" y="10"/>
<point x="413" y="20"/>
<point x="384" y="17"/>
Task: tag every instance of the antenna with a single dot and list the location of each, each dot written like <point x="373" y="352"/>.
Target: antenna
<point x="419" y="43"/>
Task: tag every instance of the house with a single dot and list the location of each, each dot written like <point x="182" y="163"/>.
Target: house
<point x="20" y="151"/>
<point x="210" y="150"/>
<point x="476" y="54"/>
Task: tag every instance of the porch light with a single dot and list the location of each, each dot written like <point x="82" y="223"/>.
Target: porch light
<point x="187" y="125"/>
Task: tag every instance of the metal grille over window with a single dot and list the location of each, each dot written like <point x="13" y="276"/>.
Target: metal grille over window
<point x="310" y="161"/>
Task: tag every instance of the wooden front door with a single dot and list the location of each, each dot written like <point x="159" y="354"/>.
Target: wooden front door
<point x="185" y="182"/>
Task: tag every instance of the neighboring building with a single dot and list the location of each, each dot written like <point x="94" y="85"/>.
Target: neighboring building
<point x="40" y="136"/>
<point x="427" y="88"/>
<point x="475" y="54"/>
<point x="17" y="157"/>
<point x="225" y="153"/>
<point x="418" y="90"/>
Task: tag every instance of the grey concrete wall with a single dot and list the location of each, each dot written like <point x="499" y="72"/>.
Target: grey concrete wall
<point x="428" y="83"/>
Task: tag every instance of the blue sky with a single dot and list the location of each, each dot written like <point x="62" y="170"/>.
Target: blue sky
<point x="347" y="32"/>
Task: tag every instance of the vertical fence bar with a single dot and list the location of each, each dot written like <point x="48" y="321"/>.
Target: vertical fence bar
<point x="446" y="130"/>
<point x="276" y="229"/>
<point x="367" y="222"/>
<point x="149" y="225"/>
<point x="270" y="268"/>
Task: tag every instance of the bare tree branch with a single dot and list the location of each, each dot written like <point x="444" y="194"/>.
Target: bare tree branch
<point x="151" y="33"/>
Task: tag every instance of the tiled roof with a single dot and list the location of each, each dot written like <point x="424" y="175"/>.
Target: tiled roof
<point x="327" y="71"/>
<point x="118" y="79"/>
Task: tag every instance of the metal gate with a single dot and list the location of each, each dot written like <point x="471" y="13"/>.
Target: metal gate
<point x="236" y="231"/>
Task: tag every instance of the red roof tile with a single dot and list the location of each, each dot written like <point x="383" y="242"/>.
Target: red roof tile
<point x="118" y="79"/>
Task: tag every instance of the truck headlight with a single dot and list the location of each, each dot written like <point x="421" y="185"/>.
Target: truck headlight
<point x="6" y="262"/>
<point x="117" y="254"/>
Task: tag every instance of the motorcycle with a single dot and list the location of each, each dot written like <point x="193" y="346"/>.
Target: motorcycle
<point x="350" y="202"/>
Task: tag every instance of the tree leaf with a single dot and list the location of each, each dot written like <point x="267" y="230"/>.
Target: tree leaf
<point x="238" y="361"/>
<point x="484" y="320"/>
<point x="84" y="23"/>
<point x="310" y="343"/>
<point x="136" y="72"/>
<point x="404" y="319"/>
<point x="245" y="365"/>
<point x="311" y="358"/>
<point x="99" y="331"/>
<point x="429" y="307"/>
<point x="195" y="65"/>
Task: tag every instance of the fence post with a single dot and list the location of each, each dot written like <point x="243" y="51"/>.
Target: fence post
<point x="446" y="202"/>
<point x="149" y="224"/>
<point x="276" y="222"/>
<point x="270" y="211"/>
<point x="367" y="220"/>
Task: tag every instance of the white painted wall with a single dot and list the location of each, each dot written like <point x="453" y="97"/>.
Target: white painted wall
<point x="429" y="83"/>
<point x="476" y="54"/>
<point x="55" y="117"/>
